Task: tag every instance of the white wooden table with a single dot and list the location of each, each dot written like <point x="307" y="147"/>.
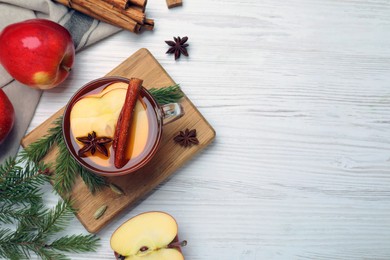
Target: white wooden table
<point x="299" y="94"/>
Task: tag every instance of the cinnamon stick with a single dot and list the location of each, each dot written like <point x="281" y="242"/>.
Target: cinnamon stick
<point x="135" y="14"/>
<point x="149" y="21"/>
<point x="149" y="24"/>
<point x="117" y="130"/>
<point x="123" y="4"/>
<point x="141" y="9"/>
<point x="103" y="11"/>
<point x="124" y="122"/>
<point x="174" y="3"/>
<point x="82" y="10"/>
<point x="140" y="3"/>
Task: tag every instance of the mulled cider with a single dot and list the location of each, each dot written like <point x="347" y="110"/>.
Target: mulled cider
<point x="97" y="119"/>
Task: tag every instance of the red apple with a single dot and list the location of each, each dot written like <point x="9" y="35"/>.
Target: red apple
<point x="7" y="116"/>
<point x="38" y="53"/>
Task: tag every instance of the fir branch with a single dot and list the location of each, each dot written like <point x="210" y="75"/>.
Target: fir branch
<point x="8" y="249"/>
<point x="21" y="184"/>
<point x="20" y="244"/>
<point x="93" y="181"/>
<point x="8" y="166"/>
<point x="12" y="214"/>
<point x="167" y="95"/>
<point x="31" y="221"/>
<point x="34" y="225"/>
<point x="66" y="170"/>
<point x="37" y="150"/>
<point x="75" y="243"/>
<point x="47" y="254"/>
<point x="55" y="220"/>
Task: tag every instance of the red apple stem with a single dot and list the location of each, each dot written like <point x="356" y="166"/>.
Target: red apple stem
<point x="178" y="244"/>
<point x="68" y="69"/>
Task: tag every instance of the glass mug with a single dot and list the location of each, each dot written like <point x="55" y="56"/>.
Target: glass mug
<point x="146" y="129"/>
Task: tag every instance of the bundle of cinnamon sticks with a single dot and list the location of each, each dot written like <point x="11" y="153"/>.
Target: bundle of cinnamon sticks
<point x="127" y="14"/>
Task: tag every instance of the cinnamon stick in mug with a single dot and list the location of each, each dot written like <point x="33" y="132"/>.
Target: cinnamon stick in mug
<point x="122" y="131"/>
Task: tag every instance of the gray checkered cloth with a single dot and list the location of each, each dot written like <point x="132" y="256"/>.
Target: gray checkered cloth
<point x="84" y="30"/>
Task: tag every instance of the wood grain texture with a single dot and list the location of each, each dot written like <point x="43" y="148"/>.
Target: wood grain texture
<point x="165" y="162"/>
<point x="298" y="92"/>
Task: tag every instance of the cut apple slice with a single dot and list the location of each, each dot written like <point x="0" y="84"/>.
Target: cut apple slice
<point x="162" y="254"/>
<point x="97" y="114"/>
<point x="116" y="85"/>
<point x="147" y="237"/>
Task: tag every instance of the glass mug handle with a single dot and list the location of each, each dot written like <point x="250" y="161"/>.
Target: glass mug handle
<point x="171" y="112"/>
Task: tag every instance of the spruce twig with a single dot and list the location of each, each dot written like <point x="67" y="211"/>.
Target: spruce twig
<point x="20" y="184"/>
<point x="66" y="170"/>
<point x="8" y="166"/>
<point x="167" y="95"/>
<point x="34" y="225"/>
<point x="37" y="150"/>
<point x="75" y="243"/>
<point x="94" y="182"/>
<point x="12" y="214"/>
<point x="55" y="220"/>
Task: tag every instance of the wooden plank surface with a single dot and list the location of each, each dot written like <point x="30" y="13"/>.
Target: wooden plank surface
<point x="168" y="158"/>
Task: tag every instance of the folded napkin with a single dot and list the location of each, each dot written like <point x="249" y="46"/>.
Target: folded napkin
<point x="84" y="31"/>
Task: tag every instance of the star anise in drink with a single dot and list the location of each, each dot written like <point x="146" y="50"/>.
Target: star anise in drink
<point x="186" y="138"/>
<point x="178" y="46"/>
<point x="93" y="143"/>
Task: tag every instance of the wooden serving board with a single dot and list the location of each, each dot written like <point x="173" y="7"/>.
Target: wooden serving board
<point x="167" y="160"/>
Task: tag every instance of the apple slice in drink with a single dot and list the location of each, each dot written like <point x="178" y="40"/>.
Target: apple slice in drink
<point x="116" y="85"/>
<point x="147" y="236"/>
<point x="97" y="113"/>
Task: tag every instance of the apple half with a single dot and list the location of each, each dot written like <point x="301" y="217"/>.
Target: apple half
<point x="148" y="236"/>
<point x="98" y="112"/>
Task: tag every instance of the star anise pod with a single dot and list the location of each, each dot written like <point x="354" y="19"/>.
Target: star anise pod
<point x="186" y="138"/>
<point x="178" y="46"/>
<point x="93" y="143"/>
